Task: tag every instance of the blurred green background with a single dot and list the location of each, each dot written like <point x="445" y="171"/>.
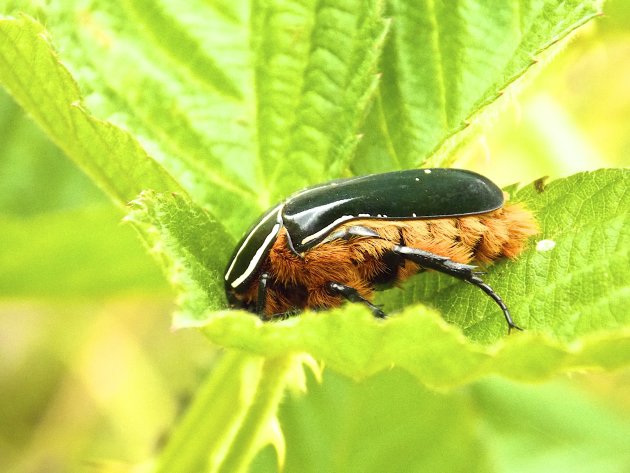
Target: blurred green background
<point x="89" y="370"/>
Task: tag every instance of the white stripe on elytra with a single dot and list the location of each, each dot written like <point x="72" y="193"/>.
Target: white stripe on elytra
<point x="327" y="228"/>
<point x="258" y="254"/>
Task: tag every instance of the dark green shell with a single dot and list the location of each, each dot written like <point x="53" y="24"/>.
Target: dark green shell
<point x="311" y="215"/>
<point x="414" y="194"/>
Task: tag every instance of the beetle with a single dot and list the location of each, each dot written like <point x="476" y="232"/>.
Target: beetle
<point x="344" y="239"/>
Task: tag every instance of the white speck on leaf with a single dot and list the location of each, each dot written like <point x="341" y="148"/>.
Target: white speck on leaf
<point x="545" y="245"/>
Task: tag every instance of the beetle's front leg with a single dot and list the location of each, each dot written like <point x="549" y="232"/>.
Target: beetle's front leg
<point x="261" y="301"/>
<point x="465" y="272"/>
<point x="351" y="294"/>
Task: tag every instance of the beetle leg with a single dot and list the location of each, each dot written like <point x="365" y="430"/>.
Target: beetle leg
<point x="261" y="300"/>
<point x="353" y="295"/>
<point x="465" y="272"/>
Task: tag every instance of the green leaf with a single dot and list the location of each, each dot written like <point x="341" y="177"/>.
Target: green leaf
<point x="247" y="102"/>
<point x="308" y="71"/>
<point x="45" y="89"/>
<point x="386" y="423"/>
<point x="293" y="92"/>
<point x="35" y="177"/>
<point x="444" y="63"/>
<point x="315" y="73"/>
<point x="244" y="102"/>
<point x="236" y="109"/>
<point x="60" y="255"/>
<point x="550" y="428"/>
<point x="492" y="426"/>
<point x="570" y="302"/>
<point x="576" y="288"/>
<point x="189" y="244"/>
<point x="200" y="443"/>
<point x="247" y="390"/>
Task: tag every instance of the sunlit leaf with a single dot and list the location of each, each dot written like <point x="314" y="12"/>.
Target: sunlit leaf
<point x="190" y="246"/>
<point x="205" y="113"/>
<point x="445" y="62"/>
<point x="33" y="75"/>
<point x="570" y="303"/>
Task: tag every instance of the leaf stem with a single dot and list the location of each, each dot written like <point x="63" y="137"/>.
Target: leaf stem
<point x="225" y="425"/>
<point x="251" y="434"/>
<point x="213" y="417"/>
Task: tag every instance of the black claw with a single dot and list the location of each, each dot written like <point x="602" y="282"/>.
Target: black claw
<point x="283" y="315"/>
<point x="377" y="312"/>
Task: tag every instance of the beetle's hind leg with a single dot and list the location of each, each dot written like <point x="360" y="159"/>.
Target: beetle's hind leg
<point x="465" y="272"/>
<point x="352" y="295"/>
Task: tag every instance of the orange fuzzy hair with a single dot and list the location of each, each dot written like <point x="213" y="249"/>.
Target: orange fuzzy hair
<point x="300" y="282"/>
